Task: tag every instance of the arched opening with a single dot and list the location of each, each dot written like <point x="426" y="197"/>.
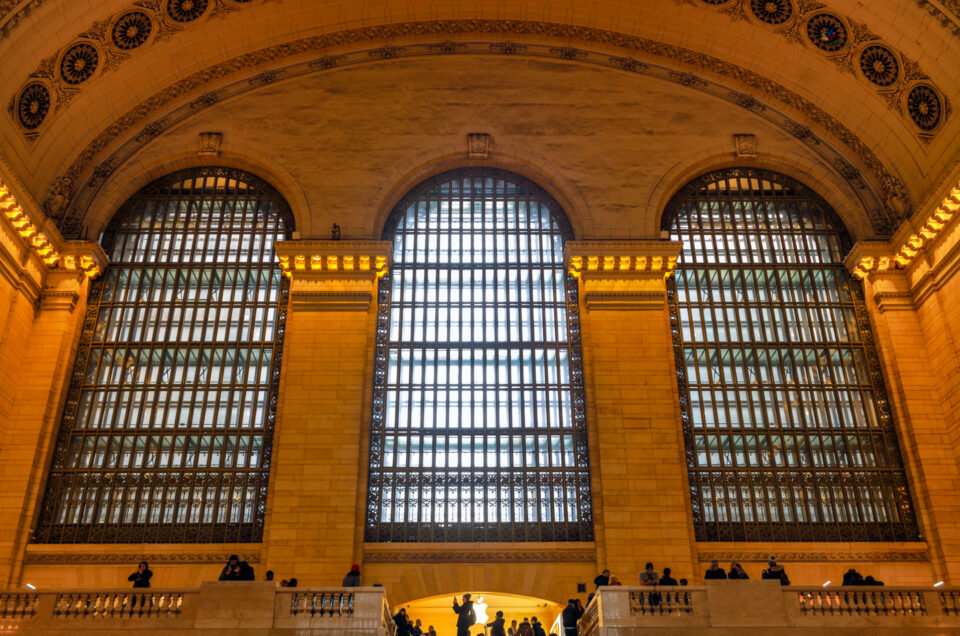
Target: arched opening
<point x="437" y="611"/>
<point x="478" y="427"/>
<point x="788" y="428"/>
<point x="168" y="424"/>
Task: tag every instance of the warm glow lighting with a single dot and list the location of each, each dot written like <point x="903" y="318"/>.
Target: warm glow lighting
<point x="316" y="261"/>
<point x="592" y="262"/>
<point x="576" y="262"/>
<point x="656" y="263"/>
<point x="333" y="262"/>
<point x="884" y="263"/>
<point x="364" y="262"/>
<point x="938" y="584"/>
<point x="608" y="263"/>
<point x="348" y="262"/>
<point x="641" y="262"/>
<point x="624" y="262"/>
<point x="300" y="262"/>
<point x="381" y="263"/>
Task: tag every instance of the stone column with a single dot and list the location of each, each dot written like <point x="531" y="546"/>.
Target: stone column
<point x="919" y="361"/>
<point x="318" y="466"/>
<point x="37" y="350"/>
<point x="640" y="493"/>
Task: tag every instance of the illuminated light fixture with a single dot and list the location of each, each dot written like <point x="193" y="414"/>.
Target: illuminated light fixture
<point x="641" y="263"/>
<point x="576" y="262"/>
<point x="380" y="263"/>
<point x="333" y="262"/>
<point x="672" y="263"/>
<point x="592" y="262"/>
<point x="884" y="263"/>
<point x="316" y="261"/>
<point x="299" y="261"/>
<point x="938" y="584"/>
<point x="348" y="263"/>
<point x="624" y="262"/>
<point x="927" y="234"/>
<point x="31" y="586"/>
<point x="608" y="263"/>
<point x="364" y="263"/>
<point x="827" y="584"/>
<point x="902" y="261"/>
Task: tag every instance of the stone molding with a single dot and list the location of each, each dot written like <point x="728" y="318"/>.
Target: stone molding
<point x="333" y="275"/>
<point x="622" y="275"/>
<point x="49" y="558"/>
<point x="786" y="557"/>
<point x="478" y="557"/>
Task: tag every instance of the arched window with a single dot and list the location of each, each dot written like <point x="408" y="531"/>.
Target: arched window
<point x="478" y="429"/>
<point x="167" y="429"/>
<point x="789" y="434"/>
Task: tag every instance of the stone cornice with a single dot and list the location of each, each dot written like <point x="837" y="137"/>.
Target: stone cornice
<point x="333" y="275"/>
<point x="622" y="275"/>
<point x="74" y="558"/>
<point x="786" y="557"/>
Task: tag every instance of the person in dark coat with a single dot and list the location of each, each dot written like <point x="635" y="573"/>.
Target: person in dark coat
<point x="352" y="579"/>
<point x="141" y="578"/>
<point x="402" y="622"/>
<point x="737" y="572"/>
<point x="775" y="571"/>
<point x="291" y="583"/>
<point x="416" y="629"/>
<point x="245" y="572"/>
<point x="852" y="577"/>
<point x="496" y="626"/>
<point x="537" y="627"/>
<point x="715" y="572"/>
<point x="666" y="579"/>
<point x="871" y="581"/>
<point x="465" y="615"/>
<point x="525" y="628"/>
<point x="231" y="571"/>
<point x="571" y="614"/>
<point x="602" y="579"/>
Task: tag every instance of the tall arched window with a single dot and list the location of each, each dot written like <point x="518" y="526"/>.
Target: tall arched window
<point x="167" y="429"/>
<point x="789" y="434"/>
<point x="478" y="429"/>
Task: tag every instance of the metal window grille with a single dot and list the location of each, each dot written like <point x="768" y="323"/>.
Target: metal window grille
<point x="478" y="426"/>
<point x="169" y="418"/>
<point x="787" y="425"/>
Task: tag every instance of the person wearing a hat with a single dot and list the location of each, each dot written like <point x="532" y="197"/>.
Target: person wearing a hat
<point x="775" y="571"/>
<point x="496" y="627"/>
<point x="352" y="579"/>
<point x="715" y="572"/>
<point x="465" y="615"/>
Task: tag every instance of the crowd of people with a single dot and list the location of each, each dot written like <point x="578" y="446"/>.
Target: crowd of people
<point x="410" y="627"/>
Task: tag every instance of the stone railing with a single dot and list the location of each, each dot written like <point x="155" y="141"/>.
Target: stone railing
<point x="759" y="605"/>
<point x="239" y="607"/>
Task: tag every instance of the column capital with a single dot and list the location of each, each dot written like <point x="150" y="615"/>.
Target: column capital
<point x="328" y="275"/>
<point x="622" y="275"/>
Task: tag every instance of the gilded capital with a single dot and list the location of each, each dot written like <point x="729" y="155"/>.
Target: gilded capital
<point x="622" y="275"/>
<point x="328" y="275"/>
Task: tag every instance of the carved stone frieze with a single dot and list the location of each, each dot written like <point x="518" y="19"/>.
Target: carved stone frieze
<point x="120" y="557"/>
<point x="478" y="557"/>
<point x="786" y="557"/>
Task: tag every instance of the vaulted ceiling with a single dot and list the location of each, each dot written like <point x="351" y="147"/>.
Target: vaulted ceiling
<point x="856" y="96"/>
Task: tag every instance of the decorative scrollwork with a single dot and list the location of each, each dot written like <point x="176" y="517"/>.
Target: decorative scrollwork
<point x="131" y="30"/>
<point x="925" y="107"/>
<point x="79" y="63"/>
<point x="772" y="11"/>
<point x="827" y="32"/>
<point x="879" y="65"/>
<point x="186" y="10"/>
<point x="33" y="105"/>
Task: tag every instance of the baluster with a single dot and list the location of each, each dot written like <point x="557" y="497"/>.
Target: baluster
<point x="313" y="605"/>
<point x="330" y="602"/>
<point x="293" y="604"/>
<point x="350" y="604"/>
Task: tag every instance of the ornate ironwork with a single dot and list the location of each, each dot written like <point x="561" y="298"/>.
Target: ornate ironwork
<point x="79" y="63"/>
<point x="827" y="32"/>
<point x="879" y="65"/>
<point x="788" y="431"/>
<point x="925" y="107"/>
<point x="168" y="424"/>
<point x="131" y="30"/>
<point x="479" y="422"/>
<point x="33" y="105"/>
